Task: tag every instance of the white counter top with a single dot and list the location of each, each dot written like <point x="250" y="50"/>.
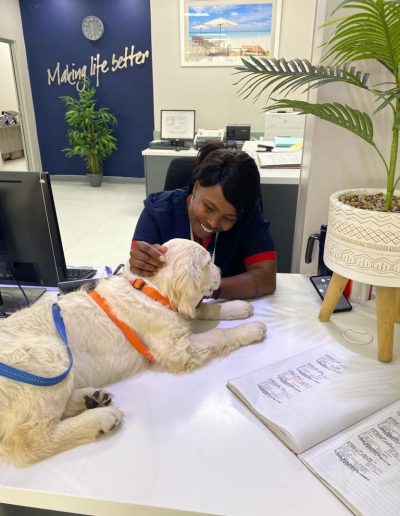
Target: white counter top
<point x="168" y="152"/>
<point x="288" y="176"/>
<point x="187" y="444"/>
<point x="279" y="176"/>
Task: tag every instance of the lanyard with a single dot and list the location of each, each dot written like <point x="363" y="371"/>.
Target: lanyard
<point x="212" y="253"/>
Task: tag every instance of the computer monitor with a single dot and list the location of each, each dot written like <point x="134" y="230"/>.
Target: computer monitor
<point x="177" y="125"/>
<point x="31" y="252"/>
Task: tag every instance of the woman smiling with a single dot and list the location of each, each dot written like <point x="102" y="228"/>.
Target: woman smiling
<point x="221" y="210"/>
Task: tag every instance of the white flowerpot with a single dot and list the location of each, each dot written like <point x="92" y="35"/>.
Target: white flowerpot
<point x="363" y="245"/>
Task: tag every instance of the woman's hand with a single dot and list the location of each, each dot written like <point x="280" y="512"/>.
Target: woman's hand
<point x="146" y="259"/>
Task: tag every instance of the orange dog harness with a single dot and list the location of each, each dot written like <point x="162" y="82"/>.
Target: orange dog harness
<point x="141" y="285"/>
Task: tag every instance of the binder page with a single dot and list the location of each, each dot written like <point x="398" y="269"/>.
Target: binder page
<point x="279" y="159"/>
<point x="316" y="394"/>
<point x="362" y="464"/>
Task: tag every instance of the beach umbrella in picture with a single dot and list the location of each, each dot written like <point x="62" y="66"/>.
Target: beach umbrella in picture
<point x="221" y="22"/>
<point x="200" y="27"/>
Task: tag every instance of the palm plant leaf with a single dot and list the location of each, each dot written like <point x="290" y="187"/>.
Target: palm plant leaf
<point x="370" y="33"/>
<point x="355" y="121"/>
<point x="283" y="76"/>
<point x="386" y="98"/>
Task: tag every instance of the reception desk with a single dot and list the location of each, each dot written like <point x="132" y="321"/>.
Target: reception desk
<point x="279" y="188"/>
<point x="188" y="444"/>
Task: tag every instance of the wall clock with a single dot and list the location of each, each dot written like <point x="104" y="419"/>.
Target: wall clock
<point x="92" y="28"/>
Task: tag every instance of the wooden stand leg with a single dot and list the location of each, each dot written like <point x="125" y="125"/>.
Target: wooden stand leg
<point x="385" y="312"/>
<point x="397" y="306"/>
<point x="335" y="290"/>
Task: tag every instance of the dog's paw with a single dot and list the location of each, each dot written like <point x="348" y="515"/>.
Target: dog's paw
<point x="84" y="399"/>
<point x="97" y="398"/>
<point x="111" y="419"/>
<point x="255" y="331"/>
<point x="236" y="310"/>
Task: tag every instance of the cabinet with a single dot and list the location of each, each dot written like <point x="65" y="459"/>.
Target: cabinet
<point x="156" y="163"/>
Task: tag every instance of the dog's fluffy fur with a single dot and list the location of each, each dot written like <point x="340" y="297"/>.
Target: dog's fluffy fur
<point x="36" y="422"/>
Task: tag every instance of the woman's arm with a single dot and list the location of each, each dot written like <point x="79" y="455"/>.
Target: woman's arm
<point x="147" y="253"/>
<point x="258" y="280"/>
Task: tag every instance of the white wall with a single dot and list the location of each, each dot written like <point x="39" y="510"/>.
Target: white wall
<point x="334" y="159"/>
<point x="11" y="31"/>
<point x="210" y="90"/>
<point x="8" y="95"/>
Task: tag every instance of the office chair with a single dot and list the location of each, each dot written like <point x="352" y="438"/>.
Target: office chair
<point x="179" y="173"/>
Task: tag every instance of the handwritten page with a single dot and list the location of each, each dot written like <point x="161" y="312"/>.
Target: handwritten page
<point x="362" y="464"/>
<point x="310" y="397"/>
<point x="288" y="159"/>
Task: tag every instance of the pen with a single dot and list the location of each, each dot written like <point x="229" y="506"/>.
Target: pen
<point x="108" y="270"/>
<point x="120" y="266"/>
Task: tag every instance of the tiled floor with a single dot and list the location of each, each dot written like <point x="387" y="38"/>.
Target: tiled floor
<point x="97" y="224"/>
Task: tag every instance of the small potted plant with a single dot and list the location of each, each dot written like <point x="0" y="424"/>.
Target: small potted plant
<point x="91" y="131"/>
<point x="363" y="238"/>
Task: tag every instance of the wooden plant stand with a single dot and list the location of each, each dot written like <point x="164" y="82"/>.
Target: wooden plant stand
<point x="387" y="312"/>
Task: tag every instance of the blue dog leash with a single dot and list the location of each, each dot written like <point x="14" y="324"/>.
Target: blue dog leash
<point x="22" y="376"/>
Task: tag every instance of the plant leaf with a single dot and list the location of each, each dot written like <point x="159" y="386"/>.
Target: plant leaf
<point x="372" y="32"/>
<point x="287" y="76"/>
<point x="90" y="133"/>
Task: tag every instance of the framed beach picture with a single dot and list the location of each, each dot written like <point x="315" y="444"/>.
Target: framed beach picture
<point x="221" y="32"/>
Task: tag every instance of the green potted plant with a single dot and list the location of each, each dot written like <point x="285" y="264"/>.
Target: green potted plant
<point x="362" y="241"/>
<point x="91" y="131"/>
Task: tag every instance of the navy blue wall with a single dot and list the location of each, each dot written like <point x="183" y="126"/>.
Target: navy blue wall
<point x="52" y="31"/>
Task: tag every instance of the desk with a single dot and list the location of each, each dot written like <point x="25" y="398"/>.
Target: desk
<point x="279" y="188"/>
<point x="188" y="444"/>
<point x="156" y="163"/>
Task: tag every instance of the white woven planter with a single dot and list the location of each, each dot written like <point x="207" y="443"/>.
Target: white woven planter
<point x="363" y="245"/>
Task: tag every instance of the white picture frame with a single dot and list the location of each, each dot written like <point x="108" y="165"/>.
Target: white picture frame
<point x="218" y="33"/>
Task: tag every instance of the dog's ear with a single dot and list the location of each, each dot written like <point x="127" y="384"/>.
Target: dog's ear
<point x="186" y="279"/>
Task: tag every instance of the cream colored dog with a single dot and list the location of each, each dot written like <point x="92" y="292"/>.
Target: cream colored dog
<point x="36" y="422"/>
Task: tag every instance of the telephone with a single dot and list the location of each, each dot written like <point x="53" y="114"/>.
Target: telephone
<point x="206" y="135"/>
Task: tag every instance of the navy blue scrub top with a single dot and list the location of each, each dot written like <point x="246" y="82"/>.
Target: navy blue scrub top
<point x="165" y="216"/>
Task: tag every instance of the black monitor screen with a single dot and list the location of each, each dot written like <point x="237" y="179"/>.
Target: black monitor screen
<point x="31" y="251"/>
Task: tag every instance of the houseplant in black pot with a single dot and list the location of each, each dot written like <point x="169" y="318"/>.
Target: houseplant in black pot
<point x="90" y="132"/>
<point x="362" y="241"/>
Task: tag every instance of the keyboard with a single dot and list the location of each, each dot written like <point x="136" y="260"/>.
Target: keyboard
<point x="76" y="274"/>
<point x="170" y="147"/>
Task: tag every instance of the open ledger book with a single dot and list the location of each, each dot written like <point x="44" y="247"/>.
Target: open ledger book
<point x="340" y="413"/>
<point x="281" y="159"/>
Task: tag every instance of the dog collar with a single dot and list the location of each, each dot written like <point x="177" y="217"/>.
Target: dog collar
<point x="140" y="284"/>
